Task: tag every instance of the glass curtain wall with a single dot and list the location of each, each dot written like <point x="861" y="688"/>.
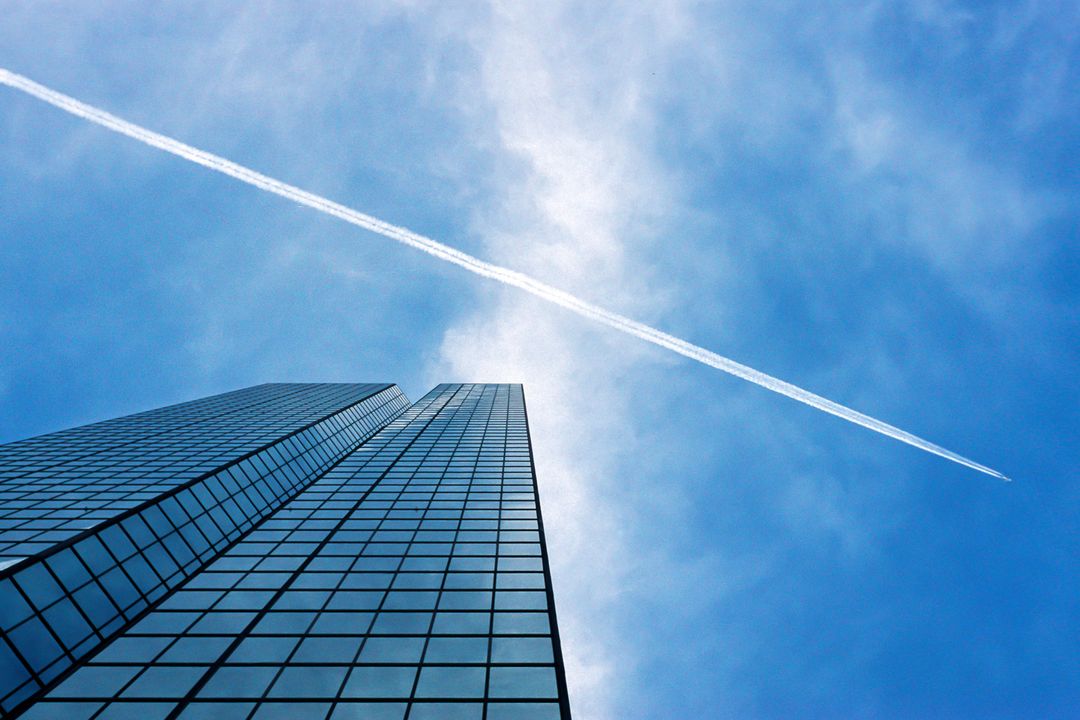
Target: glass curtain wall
<point x="410" y="580"/>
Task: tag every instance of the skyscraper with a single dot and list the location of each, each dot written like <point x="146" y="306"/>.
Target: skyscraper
<point x="284" y="551"/>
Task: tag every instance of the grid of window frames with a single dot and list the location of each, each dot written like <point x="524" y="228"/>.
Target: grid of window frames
<point x="55" y="486"/>
<point x="409" y="581"/>
<point x="65" y="602"/>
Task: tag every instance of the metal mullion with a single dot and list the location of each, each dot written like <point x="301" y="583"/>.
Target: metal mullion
<point x="261" y="485"/>
<point x="445" y="574"/>
<point x="177" y="533"/>
<point x="377" y="390"/>
<point x="379" y="609"/>
<point x="114" y="564"/>
<point x="144" y="438"/>
<point x="94" y="580"/>
<point x="199" y="684"/>
<point x="401" y="562"/>
<point x="39" y="615"/>
<point x="138" y="589"/>
<point x="206" y="513"/>
<point x="161" y="539"/>
<point x="434" y="611"/>
<point x="240" y="495"/>
<point x="253" y="489"/>
<point x="139" y="551"/>
<point x="246" y="633"/>
<point x="205" y="522"/>
<point x="495" y="573"/>
<point x="192" y="527"/>
<point x="33" y="678"/>
<point x="416" y="680"/>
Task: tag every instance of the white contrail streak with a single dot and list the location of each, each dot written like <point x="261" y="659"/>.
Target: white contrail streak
<point x="475" y="265"/>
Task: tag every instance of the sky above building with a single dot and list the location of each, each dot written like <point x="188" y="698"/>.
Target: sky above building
<point x="875" y="201"/>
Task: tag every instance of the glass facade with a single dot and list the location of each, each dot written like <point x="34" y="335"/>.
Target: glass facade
<point x="140" y="503"/>
<point x="406" y="578"/>
<point x="55" y="486"/>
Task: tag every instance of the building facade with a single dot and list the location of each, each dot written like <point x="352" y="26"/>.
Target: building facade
<point x="284" y="551"/>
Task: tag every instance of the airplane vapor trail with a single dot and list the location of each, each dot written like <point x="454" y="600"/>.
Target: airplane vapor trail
<point x="476" y="265"/>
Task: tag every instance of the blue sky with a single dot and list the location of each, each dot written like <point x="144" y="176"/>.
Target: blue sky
<point x="876" y="201"/>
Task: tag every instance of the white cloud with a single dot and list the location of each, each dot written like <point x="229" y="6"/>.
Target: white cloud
<point x="963" y="214"/>
<point x="576" y="101"/>
<point x="565" y="100"/>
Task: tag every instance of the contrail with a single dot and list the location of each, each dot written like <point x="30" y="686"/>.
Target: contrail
<point x="476" y="265"/>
